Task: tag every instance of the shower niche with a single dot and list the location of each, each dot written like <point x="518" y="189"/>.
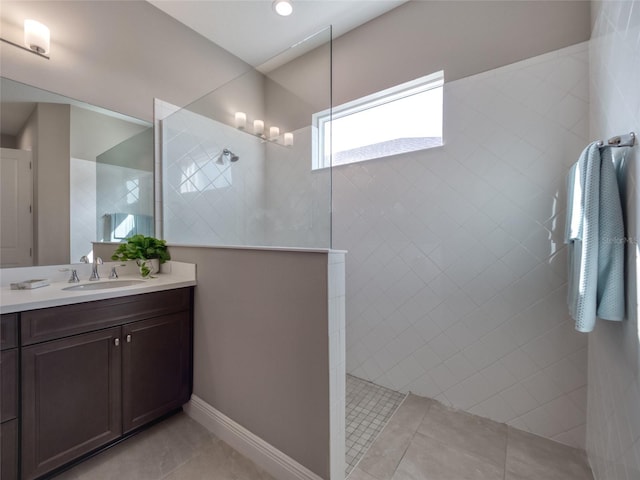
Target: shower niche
<point x="236" y="163"/>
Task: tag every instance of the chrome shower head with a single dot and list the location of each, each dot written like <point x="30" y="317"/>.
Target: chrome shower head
<point x="229" y="155"/>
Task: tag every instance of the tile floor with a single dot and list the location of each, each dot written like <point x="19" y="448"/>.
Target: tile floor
<point x="425" y="440"/>
<point x="368" y="408"/>
<point x="176" y="449"/>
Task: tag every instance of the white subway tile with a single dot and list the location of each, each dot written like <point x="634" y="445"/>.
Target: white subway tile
<point x="494" y="408"/>
<point x="480" y="223"/>
<point x="519" y="399"/>
<point x="442" y="377"/>
<point x="443" y="346"/>
<point x="519" y="364"/>
<point x="427" y="358"/>
<point x="407" y="371"/>
<point x="469" y="392"/>
<point x="498" y="377"/>
<point x="425" y="386"/>
<point x="542" y="388"/>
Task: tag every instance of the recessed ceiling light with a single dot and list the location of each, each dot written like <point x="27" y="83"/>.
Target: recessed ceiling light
<point x="283" y="7"/>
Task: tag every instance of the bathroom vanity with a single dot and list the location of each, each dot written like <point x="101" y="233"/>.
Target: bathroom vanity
<point x="82" y="375"/>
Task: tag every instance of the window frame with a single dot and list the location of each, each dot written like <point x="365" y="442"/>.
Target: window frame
<point x="320" y="120"/>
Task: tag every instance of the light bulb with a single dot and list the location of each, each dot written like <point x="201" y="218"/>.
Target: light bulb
<point x="283" y="7"/>
<point x="37" y="37"/>
<point x="241" y="120"/>
<point x="258" y="127"/>
<point x="288" y="139"/>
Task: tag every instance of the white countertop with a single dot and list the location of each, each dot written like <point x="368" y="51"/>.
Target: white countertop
<point x="245" y="247"/>
<point x="173" y="275"/>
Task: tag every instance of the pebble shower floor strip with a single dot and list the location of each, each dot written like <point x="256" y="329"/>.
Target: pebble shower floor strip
<point x="368" y="409"/>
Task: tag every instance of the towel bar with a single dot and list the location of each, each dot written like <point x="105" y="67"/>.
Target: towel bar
<point x="628" y="140"/>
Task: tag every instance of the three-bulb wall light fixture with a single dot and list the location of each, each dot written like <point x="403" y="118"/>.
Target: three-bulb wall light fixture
<point x="37" y="38"/>
<point x="259" y="130"/>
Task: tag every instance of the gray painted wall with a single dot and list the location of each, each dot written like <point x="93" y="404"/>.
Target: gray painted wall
<point x="261" y="345"/>
<point x="460" y="37"/>
<point x="46" y="134"/>
<point x="8" y="141"/>
<point x="418" y="38"/>
<point x="94" y="133"/>
<point x="118" y="55"/>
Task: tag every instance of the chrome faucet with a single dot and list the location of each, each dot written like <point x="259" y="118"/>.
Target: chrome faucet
<point x="74" y="276"/>
<point x="114" y="273"/>
<point x="94" y="271"/>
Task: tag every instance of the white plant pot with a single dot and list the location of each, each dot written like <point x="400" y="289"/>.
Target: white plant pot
<point x="151" y="264"/>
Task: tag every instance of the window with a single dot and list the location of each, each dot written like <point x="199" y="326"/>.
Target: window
<point x="401" y="119"/>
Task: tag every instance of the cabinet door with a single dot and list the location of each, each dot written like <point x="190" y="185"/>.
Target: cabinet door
<point x="9" y="450"/>
<point x="71" y="394"/>
<point x="9" y="382"/>
<point x="8" y="331"/>
<point x="156" y="368"/>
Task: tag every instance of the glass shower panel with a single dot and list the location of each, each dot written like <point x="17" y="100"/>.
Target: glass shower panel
<point x="207" y="198"/>
<point x="299" y="198"/>
<point x="236" y="163"/>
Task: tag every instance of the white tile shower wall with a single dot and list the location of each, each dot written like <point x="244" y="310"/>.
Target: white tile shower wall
<point x="82" y="176"/>
<point x="206" y="202"/>
<point x="298" y="198"/>
<point x="613" y="413"/>
<point x="456" y="272"/>
<point x="337" y="363"/>
<point x="276" y="202"/>
<point x="121" y="190"/>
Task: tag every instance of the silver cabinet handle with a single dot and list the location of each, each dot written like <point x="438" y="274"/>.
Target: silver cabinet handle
<point x="116" y="342"/>
<point x="129" y="338"/>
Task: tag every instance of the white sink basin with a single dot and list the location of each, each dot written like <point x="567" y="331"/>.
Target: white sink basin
<point x="104" y="285"/>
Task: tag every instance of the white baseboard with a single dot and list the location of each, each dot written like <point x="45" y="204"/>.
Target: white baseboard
<point x="263" y="454"/>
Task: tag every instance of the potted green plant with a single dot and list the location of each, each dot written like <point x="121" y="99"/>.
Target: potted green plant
<point x="148" y="252"/>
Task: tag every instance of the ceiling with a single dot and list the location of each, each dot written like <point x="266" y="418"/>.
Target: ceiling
<point x="252" y="31"/>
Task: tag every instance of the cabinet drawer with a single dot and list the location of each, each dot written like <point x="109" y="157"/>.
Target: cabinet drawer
<point x="9" y="394"/>
<point x="57" y="322"/>
<point x="8" y="330"/>
<point x="9" y="450"/>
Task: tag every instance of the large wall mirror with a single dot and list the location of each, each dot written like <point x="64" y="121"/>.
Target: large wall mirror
<point x="71" y="174"/>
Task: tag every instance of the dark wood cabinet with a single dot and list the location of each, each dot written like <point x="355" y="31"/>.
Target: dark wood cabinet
<point x="9" y="373"/>
<point x="9" y="450"/>
<point x="8" y="331"/>
<point x="91" y="373"/>
<point x="70" y="399"/>
<point x="156" y="365"/>
<point x="9" y="363"/>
